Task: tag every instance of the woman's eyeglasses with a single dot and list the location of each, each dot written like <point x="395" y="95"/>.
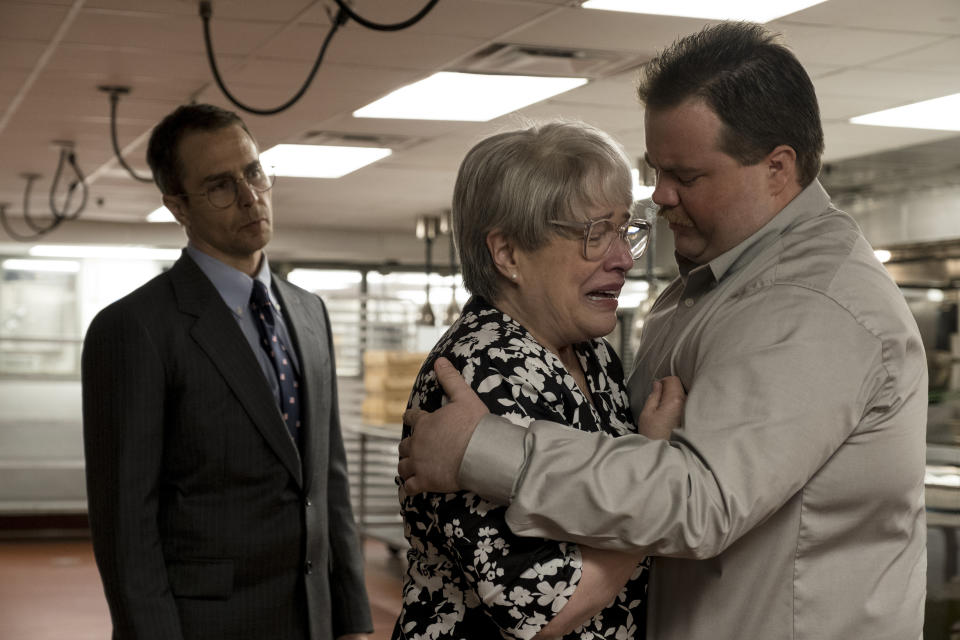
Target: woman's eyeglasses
<point x="598" y="235"/>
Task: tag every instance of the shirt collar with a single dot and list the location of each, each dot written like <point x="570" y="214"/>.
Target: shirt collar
<point x="233" y="285"/>
<point x="808" y="203"/>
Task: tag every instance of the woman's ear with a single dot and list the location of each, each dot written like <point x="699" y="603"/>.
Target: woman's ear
<point x="503" y="253"/>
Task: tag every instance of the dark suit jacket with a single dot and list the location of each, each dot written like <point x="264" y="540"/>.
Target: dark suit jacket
<point x="205" y="521"/>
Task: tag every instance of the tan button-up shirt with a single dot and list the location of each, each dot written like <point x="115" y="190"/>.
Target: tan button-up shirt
<point x="790" y="503"/>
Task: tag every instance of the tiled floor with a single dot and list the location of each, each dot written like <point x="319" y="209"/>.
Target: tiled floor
<point x="50" y="590"/>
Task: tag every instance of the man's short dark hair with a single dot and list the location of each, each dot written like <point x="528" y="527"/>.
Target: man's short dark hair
<point x="754" y="84"/>
<point x="162" y="153"/>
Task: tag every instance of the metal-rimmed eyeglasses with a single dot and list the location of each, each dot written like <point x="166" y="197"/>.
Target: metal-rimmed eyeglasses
<point x="223" y="190"/>
<point x="598" y="235"/>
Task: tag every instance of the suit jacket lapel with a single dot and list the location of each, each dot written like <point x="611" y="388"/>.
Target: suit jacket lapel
<point x="217" y="333"/>
<point x="309" y="335"/>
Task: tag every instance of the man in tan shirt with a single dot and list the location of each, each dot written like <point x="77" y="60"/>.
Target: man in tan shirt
<point x="790" y="502"/>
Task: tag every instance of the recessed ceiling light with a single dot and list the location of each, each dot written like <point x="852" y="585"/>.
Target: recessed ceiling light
<point x="942" y="114"/>
<point x="471" y="97"/>
<point x="105" y="252"/>
<point x="752" y="10"/>
<point x="319" y="161"/>
<point x="161" y="215"/>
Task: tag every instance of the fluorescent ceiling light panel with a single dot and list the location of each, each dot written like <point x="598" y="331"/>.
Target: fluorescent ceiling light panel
<point x="941" y="114"/>
<point x="751" y="10"/>
<point x="52" y="266"/>
<point x="161" y="215"/>
<point x="470" y="97"/>
<point x="319" y="161"/>
<point x="107" y="253"/>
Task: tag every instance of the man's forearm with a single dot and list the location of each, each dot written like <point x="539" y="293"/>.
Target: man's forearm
<point x="588" y="488"/>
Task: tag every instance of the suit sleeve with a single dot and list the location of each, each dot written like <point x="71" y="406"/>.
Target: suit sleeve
<point x="771" y="402"/>
<point x="123" y="381"/>
<point x="350" y="606"/>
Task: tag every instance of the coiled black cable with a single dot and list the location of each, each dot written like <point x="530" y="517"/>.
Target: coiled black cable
<point x="344" y="13"/>
<point x="206" y="10"/>
<point x="386" y="27"/>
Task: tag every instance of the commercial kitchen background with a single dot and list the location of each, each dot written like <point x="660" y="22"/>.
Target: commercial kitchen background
<point x="375" y="242"/>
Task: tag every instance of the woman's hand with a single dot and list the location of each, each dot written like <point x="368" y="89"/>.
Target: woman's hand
<point x="663" y="410"/>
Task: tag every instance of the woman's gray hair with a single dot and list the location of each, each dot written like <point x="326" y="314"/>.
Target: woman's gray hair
<point x="517" y="181"/>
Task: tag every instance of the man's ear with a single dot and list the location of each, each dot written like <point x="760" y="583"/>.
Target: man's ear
<point x="503" y="253"/>
<point x="174" y="204"/>
<point x="782" y="166"/>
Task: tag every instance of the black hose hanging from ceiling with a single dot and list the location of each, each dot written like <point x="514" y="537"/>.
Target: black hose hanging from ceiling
<point x="80" y="181"/>
<point x="38" y="231"/>
<point x="206" y="11"/>
<point x="114" y="100"/>
<point x="386" y="27"/>
<point x="27" y="218"/>
<point x="15" y="235"/>
<point x="71" y="158"/>
<point x="67" y="156"/>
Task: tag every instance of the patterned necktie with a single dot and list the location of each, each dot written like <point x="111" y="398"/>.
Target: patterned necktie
<point x="278" y="353"/>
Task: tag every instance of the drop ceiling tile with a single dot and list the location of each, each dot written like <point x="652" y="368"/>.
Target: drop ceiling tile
<point x="844" y="140"/>
<point x="484" y="19"/>
<point x="607" y="30"/>
<point x="916" y="16"/>
<point x="126" y="62"/>
<point x="619" y="92"/>
<point x="275" y="10"/>
<point x="836" y="108"/>
<point x="894" y="88"/>
<point x="940" y="57"/>
<point x="20" y="54"/>
<point x="355" y="45"/>
<point x="58" y="85"/>
<point x="30" y="21"/>
<point x="165" y="32"/>
<point x="839" y="46"/>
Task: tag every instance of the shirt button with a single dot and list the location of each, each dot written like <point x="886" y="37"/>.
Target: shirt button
<point x="688" y="302"/>
<point x="309" y="502"/>
<point x="308" y="567"/>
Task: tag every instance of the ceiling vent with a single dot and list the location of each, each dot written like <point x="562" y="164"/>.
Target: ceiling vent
<point x="341" y="139"/>
<point x="533" y="60"/>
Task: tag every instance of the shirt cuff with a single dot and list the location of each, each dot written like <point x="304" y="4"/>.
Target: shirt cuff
<point x="494" y="459"/>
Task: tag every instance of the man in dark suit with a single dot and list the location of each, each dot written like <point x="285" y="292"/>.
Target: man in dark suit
<point x="218" y="495"/>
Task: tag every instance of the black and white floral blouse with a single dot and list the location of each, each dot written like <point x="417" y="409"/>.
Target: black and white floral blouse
<point x="468" y="575"/>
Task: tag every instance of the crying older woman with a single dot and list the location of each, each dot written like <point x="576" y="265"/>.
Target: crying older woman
<point x="543" y="223"/>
